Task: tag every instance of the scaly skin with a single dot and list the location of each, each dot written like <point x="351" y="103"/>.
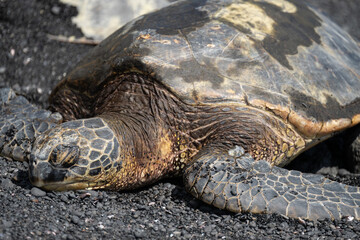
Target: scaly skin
<point x="20" y="124"/>
<point x="232" y="180"/>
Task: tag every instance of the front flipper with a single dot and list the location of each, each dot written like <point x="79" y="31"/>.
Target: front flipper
<point x="20" y="123"/>
<point x="232" y="180"/>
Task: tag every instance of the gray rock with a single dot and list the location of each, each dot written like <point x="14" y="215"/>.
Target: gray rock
<point x="37" y="192"/>
<point x="56" y="10"/>
<point x="2" y="69"/>
<point x="139" y="234"/>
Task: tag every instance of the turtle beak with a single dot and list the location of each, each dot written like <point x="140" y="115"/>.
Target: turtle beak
<point x="39" y="171"/>
<point x="45" y="175"/>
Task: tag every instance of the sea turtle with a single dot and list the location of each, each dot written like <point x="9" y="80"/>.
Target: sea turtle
<point x="221" y="92"/>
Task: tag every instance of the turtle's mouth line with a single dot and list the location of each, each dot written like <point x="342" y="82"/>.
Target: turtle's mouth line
<point x="65" y="186"/>
<point x="49" y="178"/>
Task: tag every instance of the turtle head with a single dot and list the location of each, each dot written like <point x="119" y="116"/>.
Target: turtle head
<point x="79" y="154"/>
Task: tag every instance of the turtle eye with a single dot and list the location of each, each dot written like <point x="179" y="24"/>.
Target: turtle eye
<point x="64" y="156"/>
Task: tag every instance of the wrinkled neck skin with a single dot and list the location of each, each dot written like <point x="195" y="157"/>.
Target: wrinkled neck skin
<point x="151" y="127"/>
<point x="148" y="150"/>
<point x="159" y="134"/>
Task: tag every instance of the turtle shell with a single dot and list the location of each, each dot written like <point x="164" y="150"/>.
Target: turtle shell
<point x="278" y="55"/>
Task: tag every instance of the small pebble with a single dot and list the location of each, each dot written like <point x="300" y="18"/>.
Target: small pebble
<point x="139" y="234"/>
<point x="64" y="198"/>
<point x="75" y="219"/>
<point x="176" y="234"/>
<point x="93" y="194"/>
<point x="208" y="229"/>
<point x="55" y="10"/>
<point x="284" y="225"/>
<point x="37" y="192"/>
<point x="252" y="224"/>
<point x="343" y="172"/>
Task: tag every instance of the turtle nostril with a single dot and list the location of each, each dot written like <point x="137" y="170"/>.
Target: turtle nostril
<point x="64" y="156"/>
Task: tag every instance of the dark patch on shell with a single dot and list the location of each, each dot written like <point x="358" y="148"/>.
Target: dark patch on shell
<point x="168" y="21"/>
<point x="126" y="64"/>
<point x="291" y="30"/>
<point x="202" y="72"/>
<point x="315" y="109"/>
